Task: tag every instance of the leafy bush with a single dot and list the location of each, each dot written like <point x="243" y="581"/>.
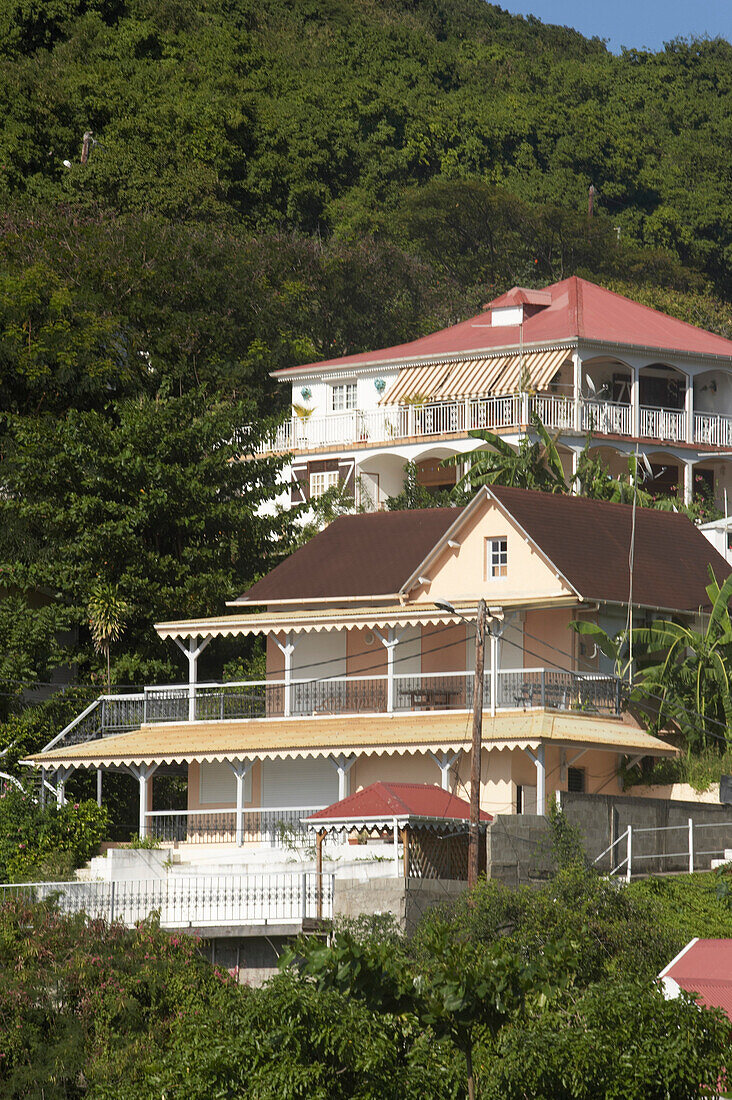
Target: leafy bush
<point x="46" y="842"/>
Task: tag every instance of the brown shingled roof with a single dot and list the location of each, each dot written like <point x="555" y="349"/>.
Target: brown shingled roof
<point x="363" y="555"/>
<point x="589" y="542"/>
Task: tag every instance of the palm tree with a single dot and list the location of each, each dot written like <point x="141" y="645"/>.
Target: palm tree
<point x="107" y="613"/>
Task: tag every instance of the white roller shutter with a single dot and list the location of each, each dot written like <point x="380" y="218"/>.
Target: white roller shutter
<point x="301" y="782"/>
<point x="218" y="785"/>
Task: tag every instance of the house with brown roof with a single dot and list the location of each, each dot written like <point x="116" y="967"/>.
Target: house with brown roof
<point x="587" y="361"/>
<point x="370" y="632"/>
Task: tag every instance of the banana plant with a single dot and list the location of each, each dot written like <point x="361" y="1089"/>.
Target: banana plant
<point x="533" y="465"/>
<point x="686" y="673"/>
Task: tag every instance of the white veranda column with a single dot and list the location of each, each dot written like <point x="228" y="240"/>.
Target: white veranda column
<point x="342" y="765"/>
<point x="390" y="642"/>
<point x="689" y="409"/>
<point x="287" y="651"/>
<point x="688" y="482"/>
<point x="62" y="775"/>
<point x="538" y="760"/>
<point x="445" y="762"/>
<point x="635" y="403"/>
<point x="192" y="652"/>
<point x="241" y="769"/>
<point x="143" y="773"/>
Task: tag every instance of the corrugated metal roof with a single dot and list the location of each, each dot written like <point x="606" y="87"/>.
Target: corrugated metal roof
<point x="500" y="374"/>
<point x="383" y="734"/>
<point x="579" y="310"/>
<point x="703" y="967"/>
<point x="589" y="540"/>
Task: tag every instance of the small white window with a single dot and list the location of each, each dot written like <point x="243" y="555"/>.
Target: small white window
<point x="496" y="553"/>
<point x="344" y="397"/>
<point x="319" y="482"/>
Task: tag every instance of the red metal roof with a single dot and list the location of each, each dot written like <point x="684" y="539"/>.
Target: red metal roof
<point x="385" y="800"/>
<point x="579" y="310"/>
<point x="704" y="967"/>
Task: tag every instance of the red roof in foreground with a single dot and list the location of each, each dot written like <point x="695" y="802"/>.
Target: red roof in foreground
<point x="579" y="310"/>
<point x="704" y="967"/>
<point x="382" y="800"/>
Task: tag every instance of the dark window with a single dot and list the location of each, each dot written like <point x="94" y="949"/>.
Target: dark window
<point x="576" y="780"/>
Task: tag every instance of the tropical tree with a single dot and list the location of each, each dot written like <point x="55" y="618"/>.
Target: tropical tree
<point x="685" y="674"/>
<point x="107" y="616"/>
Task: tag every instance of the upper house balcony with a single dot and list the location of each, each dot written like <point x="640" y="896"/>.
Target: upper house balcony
<point x="511" y="413"/>
<point x="583" y="359"/>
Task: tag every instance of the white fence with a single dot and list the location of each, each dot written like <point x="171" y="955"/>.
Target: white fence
<point x="688" y="843"/>
<point x="197" y="901"/>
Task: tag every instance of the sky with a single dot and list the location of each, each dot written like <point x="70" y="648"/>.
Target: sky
<point x="636" y="24"/>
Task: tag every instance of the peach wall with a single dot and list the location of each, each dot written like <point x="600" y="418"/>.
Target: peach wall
<point x="453" y="657"/>
<point x="460" y="573"/>
<point x="363" y="659"/>
<point x="553" y="643"/>
<point x="275" y="660"/>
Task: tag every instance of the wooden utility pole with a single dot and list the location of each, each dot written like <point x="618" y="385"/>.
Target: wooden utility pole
<point x="474" y="834"/>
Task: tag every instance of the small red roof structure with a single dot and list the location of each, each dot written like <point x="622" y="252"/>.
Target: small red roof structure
<point x="573" y="309"/>
<point x="703" y="967"/>
<point x="382" y="802"/>
<point x="431" y="822"/>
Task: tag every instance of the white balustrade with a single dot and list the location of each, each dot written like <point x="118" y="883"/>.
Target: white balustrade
<point x="388" y="424"/>
<point x="667" y="424"/>
<point x="713" y="430"/>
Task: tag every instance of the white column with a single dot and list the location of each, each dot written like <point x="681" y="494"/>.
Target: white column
<point x="688" y="482"/>
<point x="395" y="834"/>
<point x="287" y="651"/>
<point x="241" y="769"/>
<point x="391" y="641"/>
<point x="577" y="363"/>
<point x="634" y="402"/>
<point x="540" y="781"/>
<point x="537" y="759"/>
<point x="342" y="765"/>
<point x="99" y="786"/>
<point x="143" y="773"/>
<point x="689" y="407"/>
<point x="62" y="774"/>
<point x="495" y="656"/>
<point x="445" y="762"/>
<point x="192" y="653"/>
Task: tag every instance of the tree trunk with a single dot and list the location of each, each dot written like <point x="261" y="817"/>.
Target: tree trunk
<point x="469" y="1068"/>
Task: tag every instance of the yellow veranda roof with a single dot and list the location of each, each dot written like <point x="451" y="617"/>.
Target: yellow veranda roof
<point x="325" y="735"/>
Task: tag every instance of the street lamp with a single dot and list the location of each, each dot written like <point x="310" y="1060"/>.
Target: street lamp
<point x="477" y="742"/>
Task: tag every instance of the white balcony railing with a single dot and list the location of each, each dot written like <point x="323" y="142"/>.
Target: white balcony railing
<point x="666" y="424"/>
<point x="438" y="418"/>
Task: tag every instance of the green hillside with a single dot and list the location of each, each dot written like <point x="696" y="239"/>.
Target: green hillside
<point x="273" y="182"/>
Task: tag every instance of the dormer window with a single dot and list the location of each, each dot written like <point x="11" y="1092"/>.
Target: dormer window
<point x="343" y="397"/>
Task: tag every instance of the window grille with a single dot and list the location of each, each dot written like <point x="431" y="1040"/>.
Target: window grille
<point x="497" y="558"/>
<point x="344" y="397"/>
<point x="321" y="482"/>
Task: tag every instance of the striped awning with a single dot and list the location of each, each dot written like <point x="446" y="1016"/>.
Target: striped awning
<point x="500" y="374"/>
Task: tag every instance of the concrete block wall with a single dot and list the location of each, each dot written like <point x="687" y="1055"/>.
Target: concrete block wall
<point x="604" y="818"/>
<point x="518" y="849"/>
<point x="406" y="899"/>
